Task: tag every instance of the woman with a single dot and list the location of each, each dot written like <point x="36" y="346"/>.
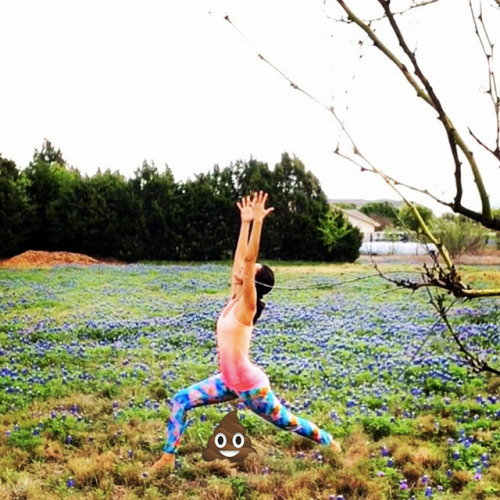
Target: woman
<point x="238" y="377"/>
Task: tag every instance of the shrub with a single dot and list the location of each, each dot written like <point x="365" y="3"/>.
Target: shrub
<point x="460" y="235"/>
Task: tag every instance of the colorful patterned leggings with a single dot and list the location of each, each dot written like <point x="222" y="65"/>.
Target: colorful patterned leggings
<point x="261" y="401"/>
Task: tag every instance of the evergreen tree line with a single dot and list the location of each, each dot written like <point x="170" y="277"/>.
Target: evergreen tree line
<point x="51" y="206"/>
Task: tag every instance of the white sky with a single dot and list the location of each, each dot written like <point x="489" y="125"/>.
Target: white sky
<point x="115" y="82"/>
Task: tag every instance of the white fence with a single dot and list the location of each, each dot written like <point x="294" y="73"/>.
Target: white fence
<point x="395" y="248"/>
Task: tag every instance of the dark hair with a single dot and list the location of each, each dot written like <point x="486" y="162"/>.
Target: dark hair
<point x="264" y="282"/>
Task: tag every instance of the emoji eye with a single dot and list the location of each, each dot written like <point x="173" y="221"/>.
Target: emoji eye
<point x="220" y="440"/>
<point x="238" y="440"/>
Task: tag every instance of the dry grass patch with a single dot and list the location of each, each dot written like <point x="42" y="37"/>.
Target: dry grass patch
<point x="88" y="404"/>
<point x="494" y="473"/>
<point x="218" y="491"/>
<point x="429" y="457"/>
<point x="412" y="472"/>
<point x="128" y="474"/>
<point x="356" y="485"/>
<point x="309" y="480"/>
<point x="484" y="490"/>
<point x="262" y="484"/>
<point x="5" y="492"/>
<point x="217" y="468"/>
<point x="460" y="480"/>
<point x="15" y="458"/>
<point x="494" y="385"/>
<point x="357" y="450"/>
<point x="53" y="451"/>
<point x="92" y="471"/>
<point x="420" y="454"/>
<point x="427" y="426"/>
<point x="118" y="493"/>
<point x="253" y="464"/>
<point x="24" y="486"/>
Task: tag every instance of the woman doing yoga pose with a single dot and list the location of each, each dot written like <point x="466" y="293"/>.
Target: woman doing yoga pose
<point x="238" y="377"/>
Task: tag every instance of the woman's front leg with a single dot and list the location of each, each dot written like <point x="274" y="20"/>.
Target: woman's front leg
<point x="209" y="391"/>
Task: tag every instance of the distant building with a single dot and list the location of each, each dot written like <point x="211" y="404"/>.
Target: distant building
<point x="365" y="224"/>
<point x="359" y="202"/>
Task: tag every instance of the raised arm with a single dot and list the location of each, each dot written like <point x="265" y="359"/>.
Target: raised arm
<point x="247" y="307"/>
<point x="246" y="214"/>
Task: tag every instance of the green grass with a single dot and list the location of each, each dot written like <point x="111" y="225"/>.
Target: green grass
<point x="91" y="356"/>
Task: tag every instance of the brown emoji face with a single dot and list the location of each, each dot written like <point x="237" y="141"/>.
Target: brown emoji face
<point x="228" y="441"/>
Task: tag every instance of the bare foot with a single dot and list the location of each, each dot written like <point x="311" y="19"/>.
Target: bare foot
<point x="335" y="446"/>
<point x="165" y="462"/>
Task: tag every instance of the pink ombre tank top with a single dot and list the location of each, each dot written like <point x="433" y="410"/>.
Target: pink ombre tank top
<point x="233" y="342"/>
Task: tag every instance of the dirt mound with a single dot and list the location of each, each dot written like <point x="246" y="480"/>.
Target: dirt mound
<point x="35" y="258"/>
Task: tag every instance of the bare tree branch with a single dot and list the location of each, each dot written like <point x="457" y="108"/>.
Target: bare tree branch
<point x="392" y="181"/>
<point x="478" y="365"/>
<point x="446" y="279"/>
<point x="395" y="13"/>
<point x="437" y="277"/>
<point x="488" y="50"/>
<point x="489" y="222"/>
<point x="426" y="92"/>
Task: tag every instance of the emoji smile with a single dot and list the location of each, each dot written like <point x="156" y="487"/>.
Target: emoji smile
<point x="229" y="453"/>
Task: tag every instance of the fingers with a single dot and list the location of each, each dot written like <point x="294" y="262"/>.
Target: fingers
<point x="258" y="199"/>
<point x="244" y="203"/>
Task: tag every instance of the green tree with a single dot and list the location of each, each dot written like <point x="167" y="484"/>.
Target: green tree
<point x="460" y="234"/>
<point x="209" y="216"/>
<point x="12" y="209"/>
<point x="408" y="221"/>
<point x="293" y="231"/>
<point x="251" y="176"/>
<point x="382" y="211"/>
<point x="112" y="217"/>
<point x="341" y="239"/>
<point x="46" y="178"/>
<point x="157" y="196"/>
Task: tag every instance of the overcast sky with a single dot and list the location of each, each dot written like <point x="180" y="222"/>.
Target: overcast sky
<point x="115" y="82"/>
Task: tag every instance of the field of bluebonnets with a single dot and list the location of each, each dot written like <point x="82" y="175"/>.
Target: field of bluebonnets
<point x="90" y="356"/>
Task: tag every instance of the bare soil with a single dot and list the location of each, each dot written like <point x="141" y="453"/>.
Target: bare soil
<point x="37" y="258"/>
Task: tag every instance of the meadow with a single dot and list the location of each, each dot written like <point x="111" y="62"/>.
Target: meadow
<point x="90" y="357"/>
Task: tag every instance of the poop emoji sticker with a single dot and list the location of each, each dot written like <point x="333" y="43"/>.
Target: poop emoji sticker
<point x="228" y="441"/>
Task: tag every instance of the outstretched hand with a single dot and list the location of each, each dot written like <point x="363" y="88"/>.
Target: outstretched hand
<point x="259" y="206"/>
<point x="246" y="210"/>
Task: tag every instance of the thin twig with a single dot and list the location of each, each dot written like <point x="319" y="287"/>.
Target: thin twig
<point x="477" y="365"/>
<point x="488" y="49"/>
